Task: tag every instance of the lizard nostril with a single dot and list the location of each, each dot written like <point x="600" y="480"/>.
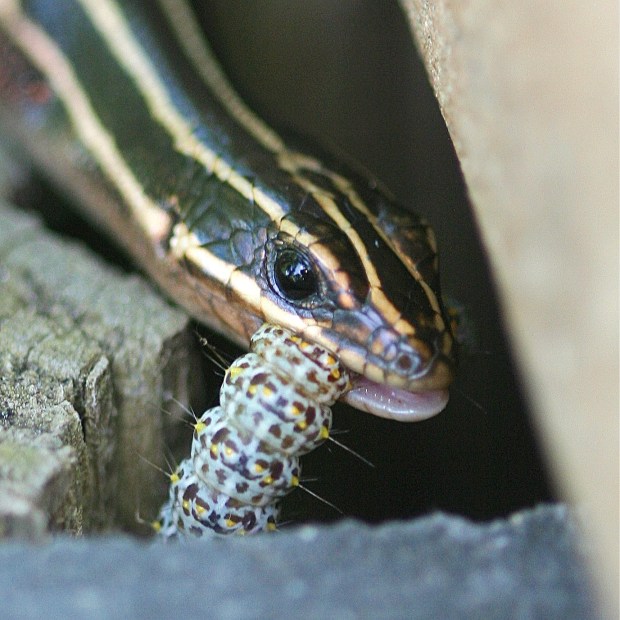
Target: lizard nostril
<point x="404" y="362"/>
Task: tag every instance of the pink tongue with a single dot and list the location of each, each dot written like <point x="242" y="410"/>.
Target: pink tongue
<point x="389" y="402"/>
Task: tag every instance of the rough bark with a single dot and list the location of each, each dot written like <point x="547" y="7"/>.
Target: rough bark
<point x="89" y="359"/>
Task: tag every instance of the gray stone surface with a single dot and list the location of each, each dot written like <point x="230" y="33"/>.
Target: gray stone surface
<point x="88" y="359"/>
<point x="436" y="567"/>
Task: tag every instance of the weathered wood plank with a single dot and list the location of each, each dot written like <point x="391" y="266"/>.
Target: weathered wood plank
<point x="89" y="359"/>
<point x="529" y="92"/>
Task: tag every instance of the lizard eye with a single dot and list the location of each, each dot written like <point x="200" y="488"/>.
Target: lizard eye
<point x="293" y="275"/>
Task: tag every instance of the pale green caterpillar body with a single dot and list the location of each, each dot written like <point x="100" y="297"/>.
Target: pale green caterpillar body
<point x="274" y="407"/>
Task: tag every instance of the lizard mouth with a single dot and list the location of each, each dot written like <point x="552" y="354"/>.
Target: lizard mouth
<point x="394" y="403"/>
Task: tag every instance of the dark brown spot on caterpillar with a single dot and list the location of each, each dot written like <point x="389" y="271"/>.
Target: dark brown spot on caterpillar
<point x="200" y="502"/>
<point x="220" y="436"/>
<point x="276" y="470"/>
<point x="310" y="415"/>
<point x="259" y="378"/>
<point x="312" y="378"/>
<point x="190" y="492"/>
<point x="249" y="520"/>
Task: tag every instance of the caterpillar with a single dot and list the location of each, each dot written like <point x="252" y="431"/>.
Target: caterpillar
<point x="274" y="407"/>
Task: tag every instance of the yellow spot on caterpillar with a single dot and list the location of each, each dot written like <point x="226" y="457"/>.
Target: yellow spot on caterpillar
<point x="200" y="509"/>
<point x="267" y="391"/>
<point x="268" y="480"/>
<point x="234" y="371"/>
<point x="302" y="426"/>
<point x="271" y="527"/>
<point x="324" y="432"/>
<point x="214" y="449"/>
<point x="294" y="481"/>
<point x="174" y="478"/>
<point x="230" y="523"/>
<point x="259" y="469"/>
<point x="229" y="451"/>
<point x="199" y="427"/>
<point x="156" y="526"/>
<point x="186" y="504"/>
<point x="335" y="373"/>
<point x="296" y="339"/>
<point x="331" y="360"/>
<point x="252" y="390"/>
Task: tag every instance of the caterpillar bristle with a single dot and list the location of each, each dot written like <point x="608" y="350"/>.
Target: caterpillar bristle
<point x="214" y="354"/>
<point x="470" y="400"/>
<point x="321" y="499"/>
<point x="157" y="467"/>
<point x="183" y="407"/>
<point x="352" y="452"/>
